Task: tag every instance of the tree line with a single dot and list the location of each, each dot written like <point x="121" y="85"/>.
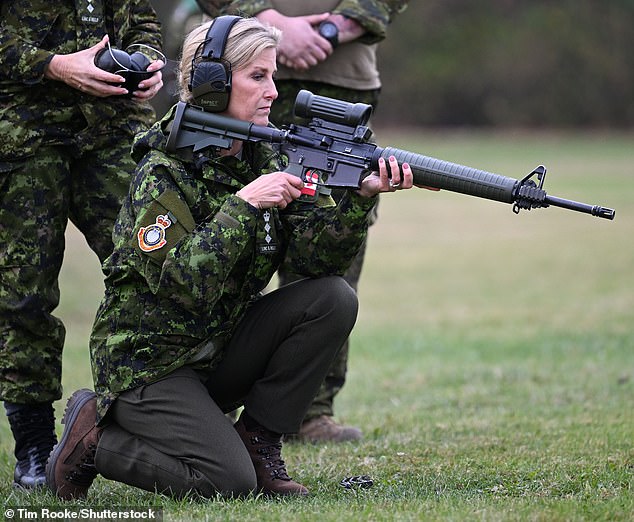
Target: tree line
<point x="510" y="63"/>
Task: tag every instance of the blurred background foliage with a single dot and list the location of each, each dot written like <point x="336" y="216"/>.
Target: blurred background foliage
<point x="544" y="63"/>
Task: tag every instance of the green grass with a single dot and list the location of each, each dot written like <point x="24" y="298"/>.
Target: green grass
<point x="492" y="366"/>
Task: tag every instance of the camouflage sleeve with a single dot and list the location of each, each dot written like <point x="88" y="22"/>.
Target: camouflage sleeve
<point x="375" y="16"/>
<point x="179" y="259"/>
<point x="23" y="61"/>
<point x="247" y="7"/>
<point x="327" y="242"/>
<point x="145" y="27"/>
<point x="212" y="8"/>
<point x="20" y="60"/>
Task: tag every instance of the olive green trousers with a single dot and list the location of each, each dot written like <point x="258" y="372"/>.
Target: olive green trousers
<point x="172" y="436"/>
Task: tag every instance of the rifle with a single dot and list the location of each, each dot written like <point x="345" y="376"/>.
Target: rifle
<point x="334" y="150"/>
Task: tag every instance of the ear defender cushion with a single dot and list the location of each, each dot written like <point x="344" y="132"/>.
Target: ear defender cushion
<point x="210" y="80"/>
<point x="131" y="66"/>
<point x="139" y="62"/>
<point x="112" y="60"/>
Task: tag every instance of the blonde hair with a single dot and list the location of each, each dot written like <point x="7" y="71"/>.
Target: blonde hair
<point x="247" y="39"/>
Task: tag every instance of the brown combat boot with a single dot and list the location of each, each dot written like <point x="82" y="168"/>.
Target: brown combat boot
<point x="265" y="450"/>
<point x="71" y="466"/>
<point x="325" y="429"/>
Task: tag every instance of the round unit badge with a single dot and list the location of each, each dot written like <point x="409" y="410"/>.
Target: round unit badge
<point x="152" y="237"/>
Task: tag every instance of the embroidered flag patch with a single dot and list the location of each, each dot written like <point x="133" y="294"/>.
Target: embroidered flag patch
<point x="310" y="183"/>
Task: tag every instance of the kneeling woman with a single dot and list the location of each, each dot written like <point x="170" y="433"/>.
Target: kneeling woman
<point x="183" y="333"/>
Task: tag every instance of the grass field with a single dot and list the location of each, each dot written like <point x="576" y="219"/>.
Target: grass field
<point x="492" y="366"/>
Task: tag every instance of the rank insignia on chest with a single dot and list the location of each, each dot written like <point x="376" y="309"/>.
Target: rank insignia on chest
<point x="152" y="237"/>
<point x="267" y="240"/>
<point x="91" y="11"/>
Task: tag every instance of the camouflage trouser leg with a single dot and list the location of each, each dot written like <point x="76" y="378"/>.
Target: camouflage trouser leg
<point x="282" y="113"/>
<point x="37" y="197"/>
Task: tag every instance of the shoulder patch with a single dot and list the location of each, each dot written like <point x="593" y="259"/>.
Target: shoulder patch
<point x="163" y="224"/>
<point x="152" y="237"/>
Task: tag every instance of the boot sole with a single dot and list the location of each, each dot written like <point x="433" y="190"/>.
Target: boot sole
<point x="75" y="403"/>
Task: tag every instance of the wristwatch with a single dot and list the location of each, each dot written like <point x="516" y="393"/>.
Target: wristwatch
<point x="330" y="32"/>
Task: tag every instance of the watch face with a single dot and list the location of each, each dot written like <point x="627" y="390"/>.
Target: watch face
<point x="330" y="32"/>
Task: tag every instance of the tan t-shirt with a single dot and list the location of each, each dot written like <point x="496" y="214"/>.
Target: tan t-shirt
<point x="352" y="65"/>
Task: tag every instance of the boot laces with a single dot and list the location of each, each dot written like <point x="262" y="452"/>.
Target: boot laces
<point x="85" y="471"/>
<point x="271" y="455"/>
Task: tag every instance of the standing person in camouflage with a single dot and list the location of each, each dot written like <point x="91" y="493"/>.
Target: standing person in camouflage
<point x="328" y="47"/>
<point x="64" y="154"/>
<point x="184" y="332"/>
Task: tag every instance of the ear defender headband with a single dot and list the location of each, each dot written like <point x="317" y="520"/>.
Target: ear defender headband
<point x="210" y="79"/>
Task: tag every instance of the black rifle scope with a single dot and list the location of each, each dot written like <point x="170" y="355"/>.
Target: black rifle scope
<point x="309" y="105"/>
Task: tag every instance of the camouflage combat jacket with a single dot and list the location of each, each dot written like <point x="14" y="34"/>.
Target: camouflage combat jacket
<point x="34" y="110"/>
<point x="190" y="256"/>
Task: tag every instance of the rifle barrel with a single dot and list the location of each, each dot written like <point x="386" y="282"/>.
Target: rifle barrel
<point x="594" y="210"/>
